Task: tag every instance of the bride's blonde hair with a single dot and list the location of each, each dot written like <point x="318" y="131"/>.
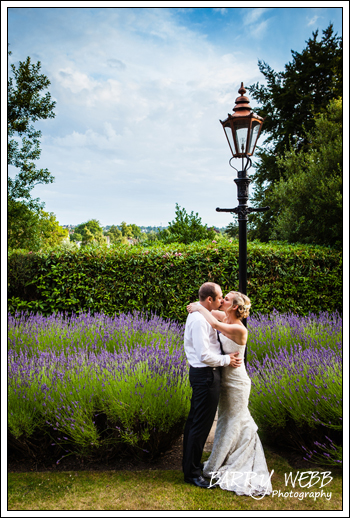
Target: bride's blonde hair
<point x="243" y="303"/>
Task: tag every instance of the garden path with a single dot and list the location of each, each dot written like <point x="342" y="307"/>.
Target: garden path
<point x="209" y="444"/>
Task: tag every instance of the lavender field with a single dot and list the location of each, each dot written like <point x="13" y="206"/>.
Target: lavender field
<point x="96" y="382"/>
<point x="98" y="385"/>
<point x="296" y="371"/>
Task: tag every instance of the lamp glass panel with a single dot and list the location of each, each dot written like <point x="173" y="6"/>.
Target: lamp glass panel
<point x="229" y="136"/>
<point x="241" y="134"/>
<point x="253" y="135"/>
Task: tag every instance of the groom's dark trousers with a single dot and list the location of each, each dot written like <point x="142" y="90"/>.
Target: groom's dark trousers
<point x="205" y="383"/>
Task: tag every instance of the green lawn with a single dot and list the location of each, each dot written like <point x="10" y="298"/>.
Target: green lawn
<point x="159" y="490"/>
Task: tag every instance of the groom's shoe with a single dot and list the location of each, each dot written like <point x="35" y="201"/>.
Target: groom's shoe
<point x="199" y="482"/>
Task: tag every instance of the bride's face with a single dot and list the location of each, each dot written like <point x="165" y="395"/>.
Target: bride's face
<point x="227" y="302"/>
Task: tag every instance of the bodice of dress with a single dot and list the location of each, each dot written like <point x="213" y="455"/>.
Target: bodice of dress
<point x="229" y="346"/>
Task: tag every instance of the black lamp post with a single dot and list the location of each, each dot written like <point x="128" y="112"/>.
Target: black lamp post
<point x="242" y="130"/>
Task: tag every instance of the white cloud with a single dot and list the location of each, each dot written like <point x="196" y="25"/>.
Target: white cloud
<point x="313" y="20"/>
<point x="260" y="29"/>
<point x="221" y="10"/>
<point x="251" y="16"/>
<point x="137" y="127"/>
<point x="252" y="21"/>
<point x="116" y="63"/>
<point x="75" y="80"/>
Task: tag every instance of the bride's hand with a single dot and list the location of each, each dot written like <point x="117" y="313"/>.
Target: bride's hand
<point x="194" y="306"/>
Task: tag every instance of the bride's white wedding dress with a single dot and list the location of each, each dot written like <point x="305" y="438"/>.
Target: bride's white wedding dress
<point x="237" y="461"/>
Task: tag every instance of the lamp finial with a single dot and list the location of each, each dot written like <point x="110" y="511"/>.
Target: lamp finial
<point x="242" y="90"/>
<point x="242" y="102"/>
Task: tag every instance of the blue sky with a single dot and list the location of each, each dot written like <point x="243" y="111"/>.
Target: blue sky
<point x="139" y="93"/>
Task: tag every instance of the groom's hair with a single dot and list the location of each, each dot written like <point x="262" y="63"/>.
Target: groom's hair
<point x="208" y="289"/>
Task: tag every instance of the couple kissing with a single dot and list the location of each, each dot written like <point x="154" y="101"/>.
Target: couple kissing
<point x="215" y="340"/>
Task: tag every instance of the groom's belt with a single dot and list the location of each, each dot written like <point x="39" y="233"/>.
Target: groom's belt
<point x="204" y="368"/>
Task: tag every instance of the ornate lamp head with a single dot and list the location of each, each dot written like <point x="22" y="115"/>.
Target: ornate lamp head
<point x="243" y="127"/>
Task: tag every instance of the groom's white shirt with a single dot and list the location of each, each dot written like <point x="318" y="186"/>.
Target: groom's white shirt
<point x="202" y="347"/>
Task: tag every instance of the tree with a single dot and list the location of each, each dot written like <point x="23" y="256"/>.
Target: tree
<point x="308" y="203"/>
<point x="26" y="105"/>
<point x="22" y="226"/>
<point x="123" y="233"/>
<point x="76" y="237"/>
<point x="136" y="231"/>
<point x="34" y="230"/>
<point x="186" y="228"/>
<point x="232" y="230"/>
<point x="289" y="102"/>
<point x="50" y="231"/>
<point x="115" y="234"/>
<point x="151" y="237"/>
<point x="126" y="230"/>
<point x="90" y="232"/>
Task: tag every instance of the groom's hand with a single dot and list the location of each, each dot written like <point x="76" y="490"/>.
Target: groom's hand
<point x="235" y="362"/>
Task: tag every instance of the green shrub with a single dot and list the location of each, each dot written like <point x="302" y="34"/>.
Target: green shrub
<point x="165" y="278"/>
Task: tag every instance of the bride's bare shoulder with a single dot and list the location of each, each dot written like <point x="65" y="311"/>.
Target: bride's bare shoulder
<point x="238" y="333"/>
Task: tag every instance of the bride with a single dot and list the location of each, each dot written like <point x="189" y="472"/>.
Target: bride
<point x="237" y="462"/>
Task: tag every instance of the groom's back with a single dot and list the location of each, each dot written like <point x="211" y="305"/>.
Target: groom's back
<point x="199" y="336"/>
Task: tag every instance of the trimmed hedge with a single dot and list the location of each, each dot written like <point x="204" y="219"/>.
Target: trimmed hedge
<point x="163" y="279"/>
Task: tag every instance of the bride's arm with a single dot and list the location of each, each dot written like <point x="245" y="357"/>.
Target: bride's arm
<point x="228" y="329"/>
<point x="219" y="315"/>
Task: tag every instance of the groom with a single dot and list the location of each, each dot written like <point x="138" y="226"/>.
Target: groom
<point x="204" y="354"/>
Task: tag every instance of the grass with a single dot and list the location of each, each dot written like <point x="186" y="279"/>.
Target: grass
<point x="157" y="490"/>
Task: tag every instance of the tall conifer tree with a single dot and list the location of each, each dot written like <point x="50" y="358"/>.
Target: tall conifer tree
<point x="290" y="101"/>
